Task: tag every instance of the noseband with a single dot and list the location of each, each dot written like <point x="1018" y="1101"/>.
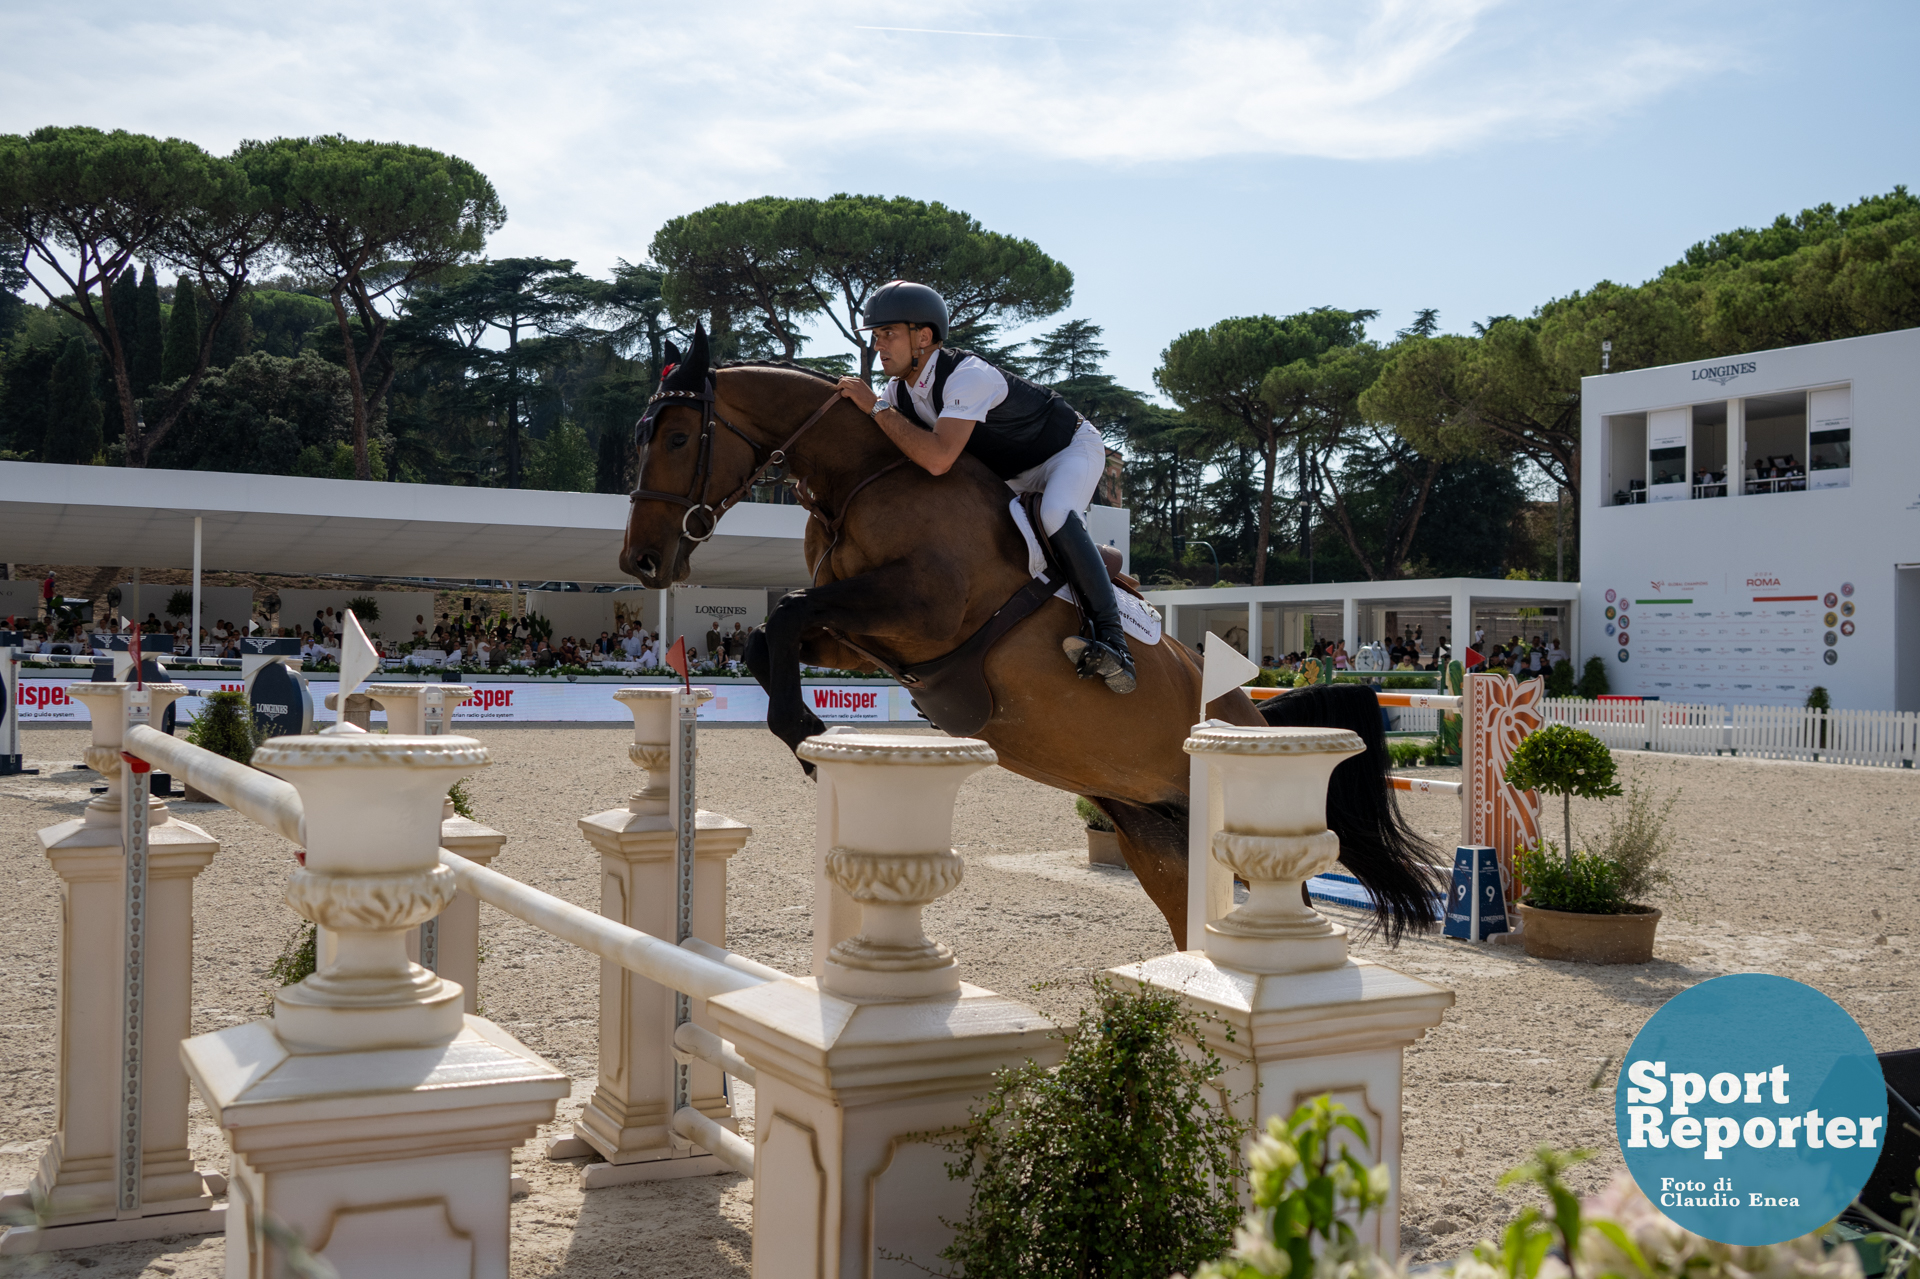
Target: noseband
<point x="703" y="465"/>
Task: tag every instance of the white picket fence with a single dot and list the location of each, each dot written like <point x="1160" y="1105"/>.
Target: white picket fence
<point x="1881" y="739"/>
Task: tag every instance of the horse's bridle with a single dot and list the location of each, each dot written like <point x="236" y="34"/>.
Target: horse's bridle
<point x="703" y="465"/>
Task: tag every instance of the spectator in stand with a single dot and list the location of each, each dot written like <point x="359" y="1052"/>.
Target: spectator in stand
<point x="714" y="643"/>
<point x="736" y="644"/>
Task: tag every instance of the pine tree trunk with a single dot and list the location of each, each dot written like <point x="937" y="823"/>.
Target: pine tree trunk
<point x="1270" y="455"/>
<point x="355" y="386"/>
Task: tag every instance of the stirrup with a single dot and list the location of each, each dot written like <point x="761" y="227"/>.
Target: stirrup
<point x="1094" y="660"/>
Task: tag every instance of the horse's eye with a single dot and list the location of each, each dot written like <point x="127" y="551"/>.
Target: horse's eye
<point x="678" y="439"/>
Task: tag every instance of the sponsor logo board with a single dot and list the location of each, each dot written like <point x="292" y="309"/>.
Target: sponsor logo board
<point x="48" y="701"/>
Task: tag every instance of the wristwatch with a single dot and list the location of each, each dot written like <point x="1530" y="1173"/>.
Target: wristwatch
<point x="880" y="405"/>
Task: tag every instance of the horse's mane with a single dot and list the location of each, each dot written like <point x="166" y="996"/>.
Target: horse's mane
<point x="790" y="366"/>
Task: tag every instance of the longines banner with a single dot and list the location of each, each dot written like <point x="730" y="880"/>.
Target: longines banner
<point x="47" y="701"/>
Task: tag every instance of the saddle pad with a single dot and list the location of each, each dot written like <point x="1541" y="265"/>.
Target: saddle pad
<point x="1139" y="619"/>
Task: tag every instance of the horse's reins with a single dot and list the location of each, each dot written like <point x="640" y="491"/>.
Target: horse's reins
<point x="703" y="472"/>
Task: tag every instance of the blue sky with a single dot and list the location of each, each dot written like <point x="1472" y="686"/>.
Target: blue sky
<point x="1188" y="162"/>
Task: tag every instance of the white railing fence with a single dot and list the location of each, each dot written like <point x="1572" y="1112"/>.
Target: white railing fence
<point x="1881" y="739"/>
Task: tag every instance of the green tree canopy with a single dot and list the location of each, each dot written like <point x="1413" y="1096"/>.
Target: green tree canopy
<point x="739" y="261"/>
<point x="372" y="219"/>
<point x="85" y="203"/>
<point x="531" y="303"/>
<point x="149" y="339"/>
<point x="1068" y="353"/>
<point x="853" y="244"/>
<point x="182" y="350"/>
<point x="1220" y="374"/>
<point x="73" y="411"/>
<point x="257" y="415"/>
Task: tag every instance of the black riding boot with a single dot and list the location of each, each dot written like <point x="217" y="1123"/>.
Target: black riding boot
<point x="1105" y="656"/>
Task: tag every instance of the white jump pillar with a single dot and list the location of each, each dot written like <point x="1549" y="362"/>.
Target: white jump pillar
<point x="421" y="709"/>
<point x="449" y="943"/>
<point x="368" y="1115"/>
<point x="855" y="1066"/>
<point x="122" y="1010"/>
<point x="628" y="1120"/>
<point x="1305" y="1018"/>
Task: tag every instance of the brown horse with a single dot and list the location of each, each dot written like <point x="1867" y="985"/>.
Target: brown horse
<point x="906" y="566"/>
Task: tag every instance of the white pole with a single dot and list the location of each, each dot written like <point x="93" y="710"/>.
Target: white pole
<point x="193" y="636"/>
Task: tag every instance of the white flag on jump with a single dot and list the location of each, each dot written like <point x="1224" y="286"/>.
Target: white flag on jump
<point x="1223" y="668"/>
<point x="358" y="659"/>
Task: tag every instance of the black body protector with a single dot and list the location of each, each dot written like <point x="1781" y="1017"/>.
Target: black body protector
<point x="1025" y="429"/>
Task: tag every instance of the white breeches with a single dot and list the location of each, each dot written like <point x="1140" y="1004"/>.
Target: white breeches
<point x="1066" y="480"/>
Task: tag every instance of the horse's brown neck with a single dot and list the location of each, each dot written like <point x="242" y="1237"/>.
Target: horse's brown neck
<point x="833" y="457"/>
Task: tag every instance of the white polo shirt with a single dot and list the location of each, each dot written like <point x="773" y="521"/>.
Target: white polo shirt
<point x="972" y="390"/>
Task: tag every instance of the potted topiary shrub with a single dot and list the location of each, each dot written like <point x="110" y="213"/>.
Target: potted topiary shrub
<point x="1103" y="845"/>
<point x="1575" y="905"/>
<point x="224" y="727"/>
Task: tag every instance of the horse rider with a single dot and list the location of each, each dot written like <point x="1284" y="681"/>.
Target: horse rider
<point x="940" y="403"/>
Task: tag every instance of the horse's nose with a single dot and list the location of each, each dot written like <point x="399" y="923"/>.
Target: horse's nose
<point x="645" y="567"/>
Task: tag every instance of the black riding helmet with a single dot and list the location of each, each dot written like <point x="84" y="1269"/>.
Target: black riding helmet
<point x="904" y="302"/>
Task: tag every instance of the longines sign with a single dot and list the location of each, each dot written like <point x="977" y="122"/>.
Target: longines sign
<point x="1721" y="374"/>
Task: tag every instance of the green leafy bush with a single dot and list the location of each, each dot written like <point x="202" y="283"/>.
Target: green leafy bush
<point x="364" y="607"/>
<point x="1593" y="679"/>
<point x="225" y="726"/>
<point x="1413" y="752"/>
<point x="1407" y="681"/>
<point x="1585" y="883"/>
<point x="180" y="603"/>
<point x="1560" y="681"/>
<point x="1307" y="1188"/>
<point x="1563" y="761"/>
<point x="1120" y="1162"/>
<point x="298" y="958"/>
<point x="462" y="800"/>
<point x="1092" y="816"/>
<point x="1638" y="842"/>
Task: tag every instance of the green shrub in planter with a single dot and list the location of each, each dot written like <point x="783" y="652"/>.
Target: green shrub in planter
<point x="1092" y="816"/>
<point x="1119" y="1162"/>
<point x="1412" y="752"/>
<point x="1593" y="679"/>
<point x="364" y="607"/>
<point x="1638" y="842"/>
<point x="180" y="603"/>
<point x="1564" y="761"/>
<point x="1583" y="884"/>
<point x="225" y="727"/>
<point x="1560" y="681"/>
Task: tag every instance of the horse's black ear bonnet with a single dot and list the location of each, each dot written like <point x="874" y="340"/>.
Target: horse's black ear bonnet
<point x="687" y="378"/>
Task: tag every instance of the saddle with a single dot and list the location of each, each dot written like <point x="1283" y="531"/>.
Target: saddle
<point x="952" y="691"/>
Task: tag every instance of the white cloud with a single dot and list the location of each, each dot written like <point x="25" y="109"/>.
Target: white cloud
<point x="597" y="120"/>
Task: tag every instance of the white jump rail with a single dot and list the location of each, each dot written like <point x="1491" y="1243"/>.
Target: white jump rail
<point x="678" y="968"/>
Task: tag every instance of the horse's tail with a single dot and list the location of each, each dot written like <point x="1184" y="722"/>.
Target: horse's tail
<point x="1393" y="863"/>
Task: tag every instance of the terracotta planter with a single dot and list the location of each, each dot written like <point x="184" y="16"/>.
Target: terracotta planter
<point x="1589" y="939"/>
<point x="1103" y="848"/>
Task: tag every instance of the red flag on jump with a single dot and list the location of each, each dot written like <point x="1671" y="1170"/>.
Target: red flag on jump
<point x="1473" y="659"/>
<point x="677" y="660"/>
